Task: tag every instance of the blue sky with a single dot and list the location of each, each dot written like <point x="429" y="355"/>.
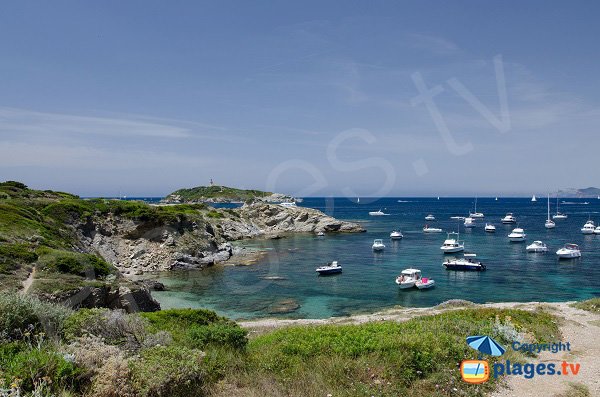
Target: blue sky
<point x="309" y="98"/>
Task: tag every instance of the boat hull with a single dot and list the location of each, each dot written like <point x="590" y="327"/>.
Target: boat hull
<point x="327" y="272"/>
<point x="452" y="250"/>
<point x="427" y="285"/>
<point x="474" y="267"/>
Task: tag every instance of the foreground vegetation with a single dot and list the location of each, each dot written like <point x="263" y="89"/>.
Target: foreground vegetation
<point x="591" y="305"/>
<point x="49" y="350"/>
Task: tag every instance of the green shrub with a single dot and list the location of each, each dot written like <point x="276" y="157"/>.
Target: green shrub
<point x="13" y="184"/>
<point x="231" y="335"/>
<point x="26" y="314"/>
<point x="214" y="214"/>
<point x="14" y="255"/>
<point x="168" y="371"/>
<point x="198" y="328"/>
<point x="591" y="305"/>
<point x="74" y="263"/>
<point x="30" y="367"/>
<point x="67" y="210"/>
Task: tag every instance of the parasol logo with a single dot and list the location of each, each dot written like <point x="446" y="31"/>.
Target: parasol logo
<point x="478" y="371"/>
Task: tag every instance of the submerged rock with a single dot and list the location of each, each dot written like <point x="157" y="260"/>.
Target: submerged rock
<point x="283" y="306"/>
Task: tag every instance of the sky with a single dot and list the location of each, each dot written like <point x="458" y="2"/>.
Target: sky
<point x="311" y="98"/>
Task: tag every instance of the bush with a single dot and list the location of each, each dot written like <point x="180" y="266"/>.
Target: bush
<point x="29" y="368"/>
<point x="74" y="263"/>
<point x="197" y="328"/>
<point x="168" y="371"/>
<point x="20" y="315"/>
<point x="591" y="305"/>
<point x="14" y="255"/>
<point x="115" y="327"/>
<point x="231" y="335"/>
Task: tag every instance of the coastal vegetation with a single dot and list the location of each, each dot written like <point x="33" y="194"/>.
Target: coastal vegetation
<point x="591" y="305"/>
<point x="216" y="193"/>
<point x="48" y="349"/>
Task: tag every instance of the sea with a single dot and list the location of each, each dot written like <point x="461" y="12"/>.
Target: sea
<point x="284" y="284"/>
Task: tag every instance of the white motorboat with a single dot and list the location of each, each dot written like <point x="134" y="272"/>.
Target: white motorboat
<point x="597" y="230"/>
<point x="424" y="283"/>
<point x="321" y="234"/>
<point x="470" y="255"/>
<point x="408" y="278"/>
<point x="428" y="229"/>
<point x="430" y="218"/>
<point x="537" y="246"/>
<point x="377" y="213"/>
<point x="509" y="218"/>
<point x="558" y="214"/>
<point x="534" y="199"/>
<point x="569" y="251"/>
<point x="459" y="218"/>
<point x="452" y="244"/>
<point x="396" y="235"/>
<point x="589" y="227"/>
<point x="490" y="228"/>
<point x="549" y="222"/>
<point x="476" y="214"/>
<point x="517" y="235"/>
<point x="330" y="268"/>
<point x="289" y="204"/>
<point x="378" y="245"/>
<point x="463" y="264"/>
<point x="469" y="222"/>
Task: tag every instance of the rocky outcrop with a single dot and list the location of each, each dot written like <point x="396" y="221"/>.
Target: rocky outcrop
<point x="136" y="247"/>
<point x="129" y="298"/>
<point x="275" y="219"/>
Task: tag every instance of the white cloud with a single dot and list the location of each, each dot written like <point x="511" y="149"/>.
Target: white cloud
<point x="434" y="44"/>
<point x="22" y="121"/>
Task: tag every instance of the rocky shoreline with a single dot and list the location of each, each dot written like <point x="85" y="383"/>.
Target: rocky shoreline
<point x="135" y="247"/>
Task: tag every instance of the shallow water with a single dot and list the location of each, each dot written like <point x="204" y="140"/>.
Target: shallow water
<point x="367" y="281"/>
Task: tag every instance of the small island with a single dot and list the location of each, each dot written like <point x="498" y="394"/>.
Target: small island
<point x="223" y="194"/>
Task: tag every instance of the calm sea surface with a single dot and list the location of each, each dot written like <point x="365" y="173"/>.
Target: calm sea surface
<point x="286" y="276"/>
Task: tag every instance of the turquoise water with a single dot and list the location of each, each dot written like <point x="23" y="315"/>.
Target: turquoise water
<point x="286" y="276"/>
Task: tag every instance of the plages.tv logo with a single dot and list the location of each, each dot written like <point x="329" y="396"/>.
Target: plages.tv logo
<point x="478" y="371"/>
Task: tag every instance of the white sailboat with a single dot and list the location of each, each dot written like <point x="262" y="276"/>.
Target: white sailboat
<point x="549" y="222"/>
<point x="476" y="214"/>
<point x="534" y="199"/>
<point x="558" y="215"/>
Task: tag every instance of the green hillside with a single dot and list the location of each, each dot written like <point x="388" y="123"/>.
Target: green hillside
<point x="203" y="193"/>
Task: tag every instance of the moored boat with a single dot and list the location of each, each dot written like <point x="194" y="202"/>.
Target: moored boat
<point x="537" y="246"/>
<point x="517" y="235"/>
<point x="378" y="245"/>
<point x="396" y="235"/>
<point x="469" y="222"/>
<point x="430" y="218"/>
<point x="428" y="229"/>
<point x="377" y="213"/>
<point x="549" y="222"/>
<point x="424" y="283"/>
<point x="490" y="228"/>
<point x="408" y="278"/>
<point x="462" y="264"/>
<point x="569" y="251"/>
<point x="452" y="244"/>
<point x="509" y="218"/>
<point x="330" y="268"/>
<point x="589" y="227"/>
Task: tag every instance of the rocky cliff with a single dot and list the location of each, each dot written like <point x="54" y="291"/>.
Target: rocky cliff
<point x="135" y="246"/>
